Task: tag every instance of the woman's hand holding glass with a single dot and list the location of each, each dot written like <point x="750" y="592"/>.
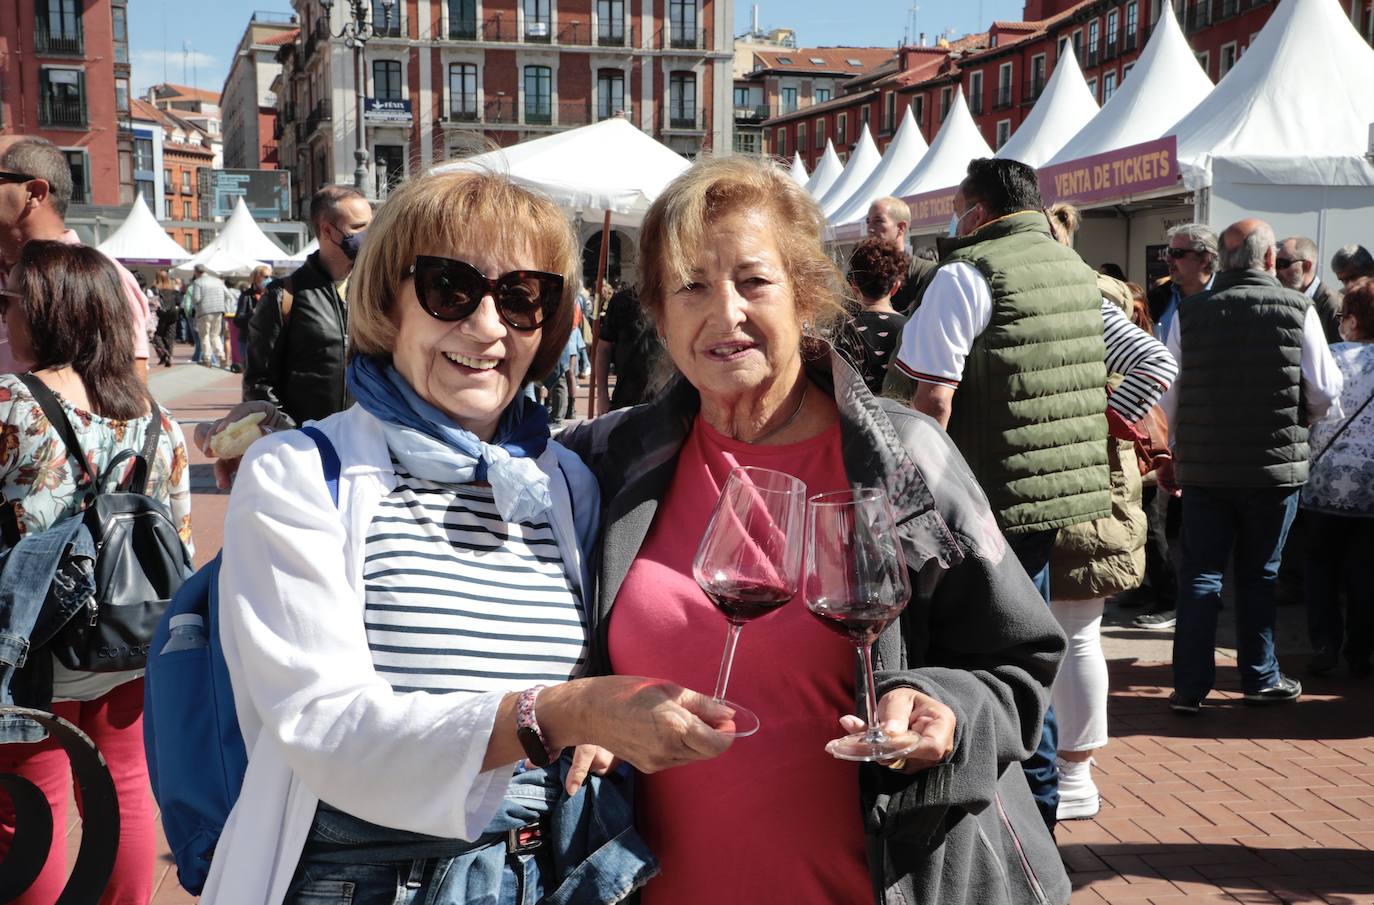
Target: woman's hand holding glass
<point x="906" y="709"/>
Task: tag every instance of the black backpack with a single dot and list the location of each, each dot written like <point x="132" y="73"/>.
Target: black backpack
<point x="140" y="559"/>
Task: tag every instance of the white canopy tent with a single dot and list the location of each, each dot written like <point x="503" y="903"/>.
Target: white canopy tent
<point x="826" y="172"/>
<point x="1063" y="109"/>
<point x="863" y="160"/>
<point x="300" y="256"/>
<point x="240" y="241"/>
<point x="607" y="166"/>
<point x="140" y="240"/>
<point x="946" y="163"/>
<point x="1166" y="79"/>
<point x="222" y="262"/>
<point x="798" y="170"/>
<point x="1285" y="137"/>
<point x="904" y="152"/>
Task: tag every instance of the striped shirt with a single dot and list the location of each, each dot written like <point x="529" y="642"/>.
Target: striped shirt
<point x="1145" y="364"/>
<point x="457" y="599"/>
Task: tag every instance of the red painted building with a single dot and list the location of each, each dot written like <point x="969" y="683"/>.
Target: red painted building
<point x="64" y="76"/>
<point x="1003" y="72"/>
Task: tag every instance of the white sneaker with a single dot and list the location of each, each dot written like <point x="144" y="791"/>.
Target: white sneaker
<point x="1078" y="798"/>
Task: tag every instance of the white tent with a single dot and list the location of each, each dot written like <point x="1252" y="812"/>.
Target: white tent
<point x="244" y="241"/>
<point x="1296" y="108"/>
<point x="946" y="163"/>
<point x="1165" y="80"/>
<point x="140" y="240"/>
<point x="863" y="160"/>
<point x="607" y="166"/>
<point x="1065" y="107"/>
<point x="798" y="170"/>
<point x="221" y="262"/>
<point x="300" y="256"/>
<point x="826" y="172"/>
<point x="905" y="150"/>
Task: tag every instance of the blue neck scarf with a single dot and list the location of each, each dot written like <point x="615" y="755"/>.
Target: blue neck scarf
<point x="431" y="446"/>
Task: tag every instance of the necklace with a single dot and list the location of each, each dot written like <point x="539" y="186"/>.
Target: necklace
<point x="806" y="385"/>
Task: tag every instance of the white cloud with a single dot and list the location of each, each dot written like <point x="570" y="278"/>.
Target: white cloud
<point x="194" y="68"/>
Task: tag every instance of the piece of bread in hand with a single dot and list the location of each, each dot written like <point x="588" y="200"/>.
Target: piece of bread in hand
<point x="235" y="439"/>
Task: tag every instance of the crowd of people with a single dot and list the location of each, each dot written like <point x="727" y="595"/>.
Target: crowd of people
<point x="455" y="658"/>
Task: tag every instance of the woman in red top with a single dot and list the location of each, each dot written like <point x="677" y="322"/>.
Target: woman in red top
<point x="742" y="294"/>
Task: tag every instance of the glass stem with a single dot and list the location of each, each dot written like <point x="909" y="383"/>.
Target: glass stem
<point x="874" y="735"/>
<point x="723" y="678"/>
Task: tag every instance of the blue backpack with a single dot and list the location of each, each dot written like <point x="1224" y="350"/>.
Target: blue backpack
<point x="196" y="755"/>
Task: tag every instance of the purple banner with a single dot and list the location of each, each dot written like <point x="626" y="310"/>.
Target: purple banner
<point x="1129" y="171"/>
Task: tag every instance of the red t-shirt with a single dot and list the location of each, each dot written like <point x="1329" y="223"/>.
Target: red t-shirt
<point x="775" y="818"/>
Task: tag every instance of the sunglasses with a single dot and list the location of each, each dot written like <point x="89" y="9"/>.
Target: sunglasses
<point x="6" y="176"/>
<point x="450" y="290"/>
<point x="1285" y="263"/>
<point x="1177" y="253"/>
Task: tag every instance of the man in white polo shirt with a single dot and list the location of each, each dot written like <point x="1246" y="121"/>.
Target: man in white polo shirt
<point x="35" y="189"/>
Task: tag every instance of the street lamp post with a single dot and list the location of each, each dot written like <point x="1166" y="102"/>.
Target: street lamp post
<point x="358" y="29"/>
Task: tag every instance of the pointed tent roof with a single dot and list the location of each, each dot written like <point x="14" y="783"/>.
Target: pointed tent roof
<point x="243" y="241"/>
<point x="140" y="240"/>
<point x="219" y="261"/>
<point x="607" y="166"/>
<point x="946" y="163"/>
<point x="826" y="172"/>
<point x="862" y="162"/>
<point x="798" y="170"/>
<point x="1165" y="79"/>
<point x="1297" y="107"/>
<point x="1065" y="107"/>
<point x="907" y="148"/>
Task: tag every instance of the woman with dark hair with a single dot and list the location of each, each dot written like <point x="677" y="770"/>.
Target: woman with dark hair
<point x="1338" y="503"/>
<point x="64" y="311"/>
<point x="168" y="311"/>
<point x="876" y="270"/>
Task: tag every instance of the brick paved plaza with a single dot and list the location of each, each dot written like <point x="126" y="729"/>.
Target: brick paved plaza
<point x="1237" y="805"/>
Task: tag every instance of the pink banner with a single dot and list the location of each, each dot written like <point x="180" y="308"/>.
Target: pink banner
<point x="932" y="208"/>
<point x="1129" y="171"/>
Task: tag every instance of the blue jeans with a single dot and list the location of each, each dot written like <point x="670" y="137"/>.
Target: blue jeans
<point x="1252" y="523"/>
<point x="403" y="883"/>
<point x="1033" y="552"/>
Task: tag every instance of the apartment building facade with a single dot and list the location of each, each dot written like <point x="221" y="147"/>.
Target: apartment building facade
<point x="248" y="106"/>
<point x="446" y="78"/>
<point x="1003" y="72"/>
<point x="65" y="77"/>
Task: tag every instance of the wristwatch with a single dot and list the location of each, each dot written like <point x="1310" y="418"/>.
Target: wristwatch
<point x="527" y="728"/>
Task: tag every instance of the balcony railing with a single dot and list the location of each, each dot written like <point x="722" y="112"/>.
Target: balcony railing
<point x="269" y="154"/>
<point x="462" y="29"/>
<point x="319" y="34"/>
<point x="1093" y="59"/>
<point x="1110" y="51"/>
<point x="612" y="34"/>
<point x="538" y="30"/>
<point x="53" y="111"/>
<point x="1132" y="41"/>
<point x="502" y="111"/>
<point x="681" y="40"/>
<point x="682" y="120"/>
<point x="45" y="41"/>
<point x="1035" y="88"/>
<point x="975" y="104"/>
<point x="321" y="114"/>
<point x="1003" y="96"/>
<point x="575" y="32"/>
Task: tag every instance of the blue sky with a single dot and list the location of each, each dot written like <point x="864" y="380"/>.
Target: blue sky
<point x="160" y="31"/>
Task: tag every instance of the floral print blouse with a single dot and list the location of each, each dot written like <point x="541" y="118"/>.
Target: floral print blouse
<point x="1341" y="481"/>
<point x="36" y="476"/>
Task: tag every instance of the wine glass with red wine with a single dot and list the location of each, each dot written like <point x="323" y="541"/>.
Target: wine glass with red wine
<point x="856" y="583"/>
<point x="749" y="560"/>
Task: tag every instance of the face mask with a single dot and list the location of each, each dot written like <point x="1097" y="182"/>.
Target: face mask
<point x="954" y="222"/>
<point x="351" y="245"/>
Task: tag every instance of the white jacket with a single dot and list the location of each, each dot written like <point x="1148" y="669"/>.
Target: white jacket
<point x="317" y="720"/>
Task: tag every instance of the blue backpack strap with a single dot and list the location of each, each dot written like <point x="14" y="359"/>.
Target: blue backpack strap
<point x="328" y="458"/>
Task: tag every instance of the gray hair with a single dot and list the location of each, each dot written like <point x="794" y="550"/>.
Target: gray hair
<point x="1352" y="259"/>
<point x="1249" y="253"/>
<point x="41" y="159"/>
<point x="1201" y="239"/>
<point x="1304" y="248"/>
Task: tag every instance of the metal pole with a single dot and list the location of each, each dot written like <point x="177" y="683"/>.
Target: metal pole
<point x="360" y="153"/>
<point x="596" y="309"/>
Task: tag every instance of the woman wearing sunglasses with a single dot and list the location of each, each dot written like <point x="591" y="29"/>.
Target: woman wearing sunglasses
<point x="395" y="657"/>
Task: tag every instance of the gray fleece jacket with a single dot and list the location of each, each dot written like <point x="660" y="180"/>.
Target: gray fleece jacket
<point x="976" y="636"/>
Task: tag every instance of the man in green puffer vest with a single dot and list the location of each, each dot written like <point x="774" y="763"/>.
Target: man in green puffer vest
<point x="1007" y="353"/>
<point x="1255" y="370"/>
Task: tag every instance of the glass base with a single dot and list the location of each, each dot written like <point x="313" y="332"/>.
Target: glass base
<point x="746" y="721"/>
<point x="859" y="747"/>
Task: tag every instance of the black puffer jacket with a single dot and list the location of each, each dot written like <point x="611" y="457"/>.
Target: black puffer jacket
<point x="298" y="364"/>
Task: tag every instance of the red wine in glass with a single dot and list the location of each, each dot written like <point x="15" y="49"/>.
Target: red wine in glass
<point x="749" y="560"/>
<point x="857" y="584"/>
<point x="742" y="600"/>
